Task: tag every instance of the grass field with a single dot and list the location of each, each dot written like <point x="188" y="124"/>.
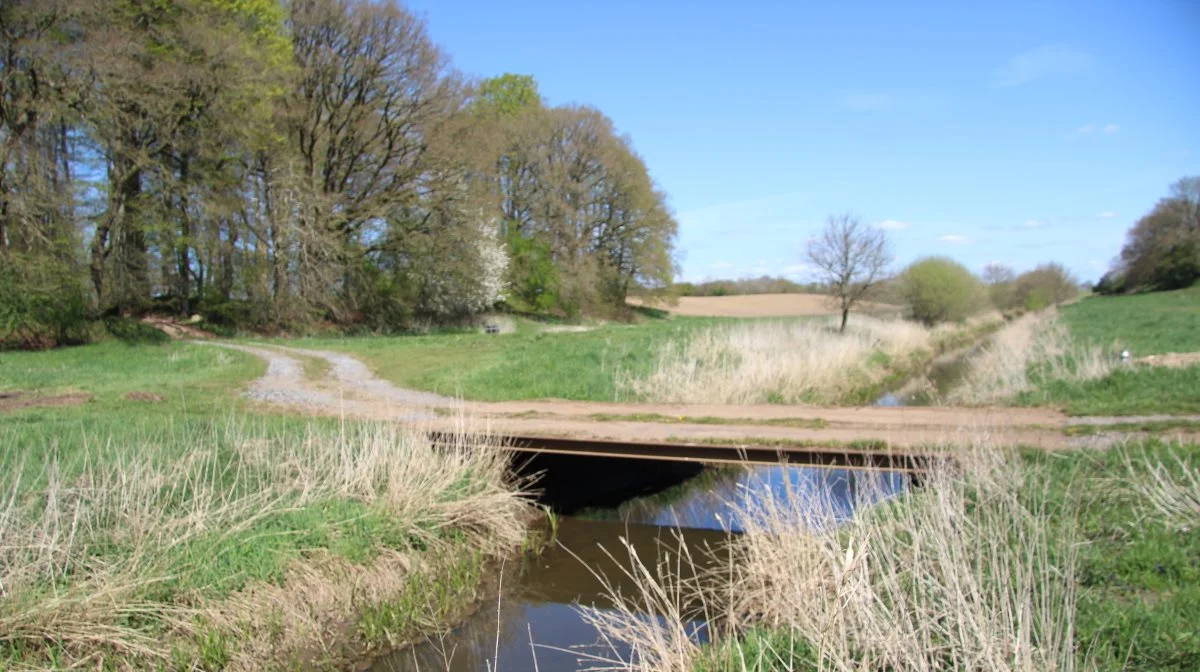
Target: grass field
<point x="1145" y="324"/>
<point x="186" y="534"/>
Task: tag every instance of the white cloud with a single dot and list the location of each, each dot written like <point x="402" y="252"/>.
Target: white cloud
<point x="1111" y="128"/>
<point x="1027" y="66"/>
<point x="1089" y="128"/>
<point x="721" y="265"/>
<point x="892" y="225"/>
<point x="1033" y="224"/>
<point x="954" y="238"/>
<point x="1107" y="214"/>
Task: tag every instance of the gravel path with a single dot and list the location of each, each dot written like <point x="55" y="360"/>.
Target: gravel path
<point x="353" y="373"/>
<point x="284" y="384"/>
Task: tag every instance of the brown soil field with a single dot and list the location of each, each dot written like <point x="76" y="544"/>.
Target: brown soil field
<point x="761" y="305"/>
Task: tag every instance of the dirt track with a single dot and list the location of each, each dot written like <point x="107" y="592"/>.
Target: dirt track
<point x="354" y="391"/>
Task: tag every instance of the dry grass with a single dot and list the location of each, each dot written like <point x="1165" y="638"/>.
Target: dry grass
<point x="778" y="362"/>
<point x="1036" y="347"/>
<point x="962" y="575"/>
<point x="85" y="539"/>
<point x="1168" y="489"/>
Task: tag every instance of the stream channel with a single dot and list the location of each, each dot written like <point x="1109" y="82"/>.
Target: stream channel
<point x="532" y="622"/>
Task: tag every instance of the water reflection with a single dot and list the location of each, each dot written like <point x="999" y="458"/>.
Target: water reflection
<point x="534" y="624"/>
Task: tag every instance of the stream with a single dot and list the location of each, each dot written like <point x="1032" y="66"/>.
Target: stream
<point x="533" y="622"/>
<point x="942" y="375"/>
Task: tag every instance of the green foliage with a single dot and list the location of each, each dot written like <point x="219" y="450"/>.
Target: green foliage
<point x="939" y="289"/>
<point x="1047" y="285"/>
<point x="508" y="95"/>
<point x="41" y="304"/>
<point x="532" y="275"/>
<point x="1162" y="250"/>
<point x="1179" y="266"/>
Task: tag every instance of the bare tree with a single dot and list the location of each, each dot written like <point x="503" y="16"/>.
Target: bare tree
<point x="851" y="258"/>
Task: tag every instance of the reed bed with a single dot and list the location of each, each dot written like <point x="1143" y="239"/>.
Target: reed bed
<point x="971" y="572"/>
<point x="805" y="361"/>
<point x="1035" y="349"/>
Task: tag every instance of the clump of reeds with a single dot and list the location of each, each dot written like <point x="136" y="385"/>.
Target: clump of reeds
<point x="88" y="534"/>
<point x="1035" y="348"/>
<point x="1167" y="487"/>
<point x="970" y="572"/>
<point x="777" y="361"/>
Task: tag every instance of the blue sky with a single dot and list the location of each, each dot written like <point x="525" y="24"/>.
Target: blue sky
<point x="1017" y="132"/>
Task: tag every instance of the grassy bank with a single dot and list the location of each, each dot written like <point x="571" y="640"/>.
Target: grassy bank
<point x="1072" y="360"/>
<point x="174" y="531"/>
<point x="1082" y="560"/>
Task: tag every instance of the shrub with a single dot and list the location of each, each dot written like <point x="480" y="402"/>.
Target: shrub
<point x="41" y="304"/>
<point x="937" y="289"/>
<point x="1047" y="285"/>
<point x="1179" y="266"/>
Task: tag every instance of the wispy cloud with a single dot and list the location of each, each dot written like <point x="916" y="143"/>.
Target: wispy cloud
<point x="1044" y="61"/>
<point x="1033" y="224"/>
<point x="721" y="265"/>
<point x="1088" y="129"/>
<point x="892" y="225"/>
<point x="955" y="238"/>
<point x="1107" y="214"/>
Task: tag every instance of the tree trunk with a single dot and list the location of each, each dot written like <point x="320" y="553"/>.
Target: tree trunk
<point x="845" y="316"/>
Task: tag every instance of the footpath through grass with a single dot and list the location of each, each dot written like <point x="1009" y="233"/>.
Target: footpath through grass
<point x="527" y="364"/>
<point x="1145" y="324"/>
<point x="187" y="534"/>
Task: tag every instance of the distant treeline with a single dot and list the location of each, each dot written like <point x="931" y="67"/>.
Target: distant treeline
<point x="273" y="164"/>
<point x="1162" y="250"/>
<point x="761" y="285"/>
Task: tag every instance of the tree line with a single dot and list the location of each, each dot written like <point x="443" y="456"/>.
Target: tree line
<point x="851" y="260"/>
<point x="1162" y="250"/>
<point x="271" y="164"/>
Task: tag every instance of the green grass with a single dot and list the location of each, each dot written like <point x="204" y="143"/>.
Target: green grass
<point x="1139" y="606"/>
<point x="1127" y="391"/>
<point x="527" y="364"/>
<point x="192" y="378"/>
<point x="1146" y="324"/>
